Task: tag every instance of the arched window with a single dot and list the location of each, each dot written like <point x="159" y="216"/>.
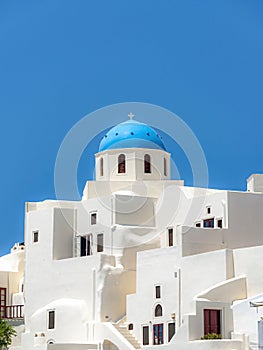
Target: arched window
<point x="121" y="164"/>
<point x="147" y="164"/>
<point x="101" y="166"/>
<point x="164" y="167"/>
<point x="130" y="327"/>
<point x="158" y="311"/>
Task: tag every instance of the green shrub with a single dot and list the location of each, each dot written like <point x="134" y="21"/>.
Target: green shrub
<point x="6" y="334"/>
<point x="211" y="336"/>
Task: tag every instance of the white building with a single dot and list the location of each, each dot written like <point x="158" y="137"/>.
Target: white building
<point x="141" y="261"/>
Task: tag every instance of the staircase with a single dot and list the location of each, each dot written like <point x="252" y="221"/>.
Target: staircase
<point x="121" y="327"/>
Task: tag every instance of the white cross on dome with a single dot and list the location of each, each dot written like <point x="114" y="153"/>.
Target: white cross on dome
<point x="131" y="115"/>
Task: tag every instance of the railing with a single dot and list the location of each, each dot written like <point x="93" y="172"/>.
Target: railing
<point x="13" y="311"/>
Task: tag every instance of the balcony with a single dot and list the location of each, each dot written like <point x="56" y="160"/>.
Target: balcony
<point x="12" y="312"/>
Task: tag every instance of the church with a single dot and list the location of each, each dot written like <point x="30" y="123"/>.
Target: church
<point x="141" y="262"/>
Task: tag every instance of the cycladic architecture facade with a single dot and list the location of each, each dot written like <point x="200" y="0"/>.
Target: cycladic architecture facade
<point x="141" y="262"/>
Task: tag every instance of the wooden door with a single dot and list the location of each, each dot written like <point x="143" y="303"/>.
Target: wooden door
<point x="2" y="302"/>
<point x="158" y="334"/>
<point x="212" y="321"/>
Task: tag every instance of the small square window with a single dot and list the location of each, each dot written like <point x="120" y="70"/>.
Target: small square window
<point x="198" y="224"/>
<point x="51" y="319"/>
<point x="93" y="218"/>
<point x="208" y="210"/>
<point x="35" y="236"/>
<point x="157" y="292"/>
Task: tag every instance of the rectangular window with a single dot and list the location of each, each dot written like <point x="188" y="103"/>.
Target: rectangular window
<point x="147" y="164"/>
<point x="93" y="218"/>
<point x="209" y="223"/>
<point x="171" y="330"/>
<point x="145" y="335"/>
<point x="220" y="223"/>
<point x="208" y="210"/>
<point x="157" y="292"/>
<point x="100" y="243"/>
<point x="164" y="167"/>
<point x="51" y="319"/>
<point x="170" y="237"/>
<point x="198" y="224"/>
<point x="35" y="237"/>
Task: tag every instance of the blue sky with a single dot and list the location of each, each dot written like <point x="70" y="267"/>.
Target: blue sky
<point x="60" y="60"/>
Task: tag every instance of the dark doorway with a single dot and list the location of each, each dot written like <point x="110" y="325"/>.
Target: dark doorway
<point x="171" y="330"/>
<point x="145" y="335"/>
<point x="86" y="245"/>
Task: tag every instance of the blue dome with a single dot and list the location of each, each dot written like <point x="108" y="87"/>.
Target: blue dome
<point x="131" y="134"/>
